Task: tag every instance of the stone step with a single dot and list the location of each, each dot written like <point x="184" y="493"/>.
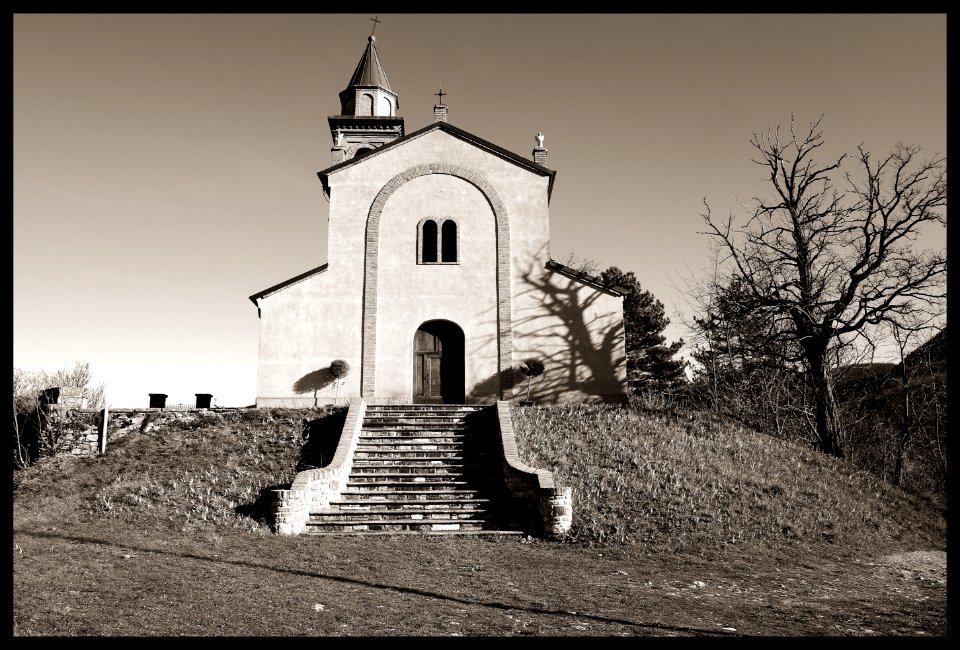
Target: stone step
<point x="408" y="506"/>
<point x="388" y="453"/>
<point x="430" y="405"/>
<point x="453" y="416"/>
<point x="394" y="515"/>
<point x="412" y="458"/>
<point x="423" y="423"/>
<point x="411" y="481"/>
<point x="398" y="531"/>
<point x="409" y="527"/>
<point x="411" y="494"/>
<point x="420" y="469"/>
<point x="404" y="481"/>
<point x="412" y="444"/>
<point x="407" y="474"/>
<point x="418" y="433"/>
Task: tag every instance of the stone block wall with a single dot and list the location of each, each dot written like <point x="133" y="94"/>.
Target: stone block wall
<point x="78" y="431"/>
<point x="533" y="490"/>
<point x="313" y="489"/>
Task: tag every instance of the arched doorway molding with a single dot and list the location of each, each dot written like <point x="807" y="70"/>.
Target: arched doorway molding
<point x="371" y="265"/>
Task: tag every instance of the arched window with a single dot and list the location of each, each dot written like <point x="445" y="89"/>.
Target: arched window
<point x="448" y="244"/>
<point x="438" y="241"/>
<point x="428" y="242"/>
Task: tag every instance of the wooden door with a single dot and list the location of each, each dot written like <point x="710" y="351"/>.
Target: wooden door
<point x="428" y="364"/>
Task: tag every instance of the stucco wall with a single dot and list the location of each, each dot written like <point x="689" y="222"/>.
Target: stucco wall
<point x="303" y="328"/>
<point x="411" y="293"/>
<point x="366" y="307"/>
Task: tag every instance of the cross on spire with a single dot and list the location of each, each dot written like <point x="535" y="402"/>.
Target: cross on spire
<point x="440" y="94"/>
<point x="376" y="20"/>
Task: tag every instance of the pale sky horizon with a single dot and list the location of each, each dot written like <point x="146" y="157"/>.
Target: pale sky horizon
<point x="165" y="165"/>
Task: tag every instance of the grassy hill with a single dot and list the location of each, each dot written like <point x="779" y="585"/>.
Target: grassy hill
<point x="648" y="489"/>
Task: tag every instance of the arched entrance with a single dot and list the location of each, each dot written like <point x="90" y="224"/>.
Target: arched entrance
<point x="438" y="363"/>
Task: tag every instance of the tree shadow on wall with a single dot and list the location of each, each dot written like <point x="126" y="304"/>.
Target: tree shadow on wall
<point x="582" y="353"/>
<point x="313" y="382"/>
<point x="488" y="390"/>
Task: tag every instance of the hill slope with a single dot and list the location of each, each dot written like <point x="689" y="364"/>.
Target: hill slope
<point x="682" y="527"/>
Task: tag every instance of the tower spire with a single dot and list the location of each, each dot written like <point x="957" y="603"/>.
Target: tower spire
<point x="368" y="107"/>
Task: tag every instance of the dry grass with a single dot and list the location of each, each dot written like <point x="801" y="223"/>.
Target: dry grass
<point x="683" y="525"/>
<point x="691" y="480"/>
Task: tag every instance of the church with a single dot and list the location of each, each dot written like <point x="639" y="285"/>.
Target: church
<point x="438" y="283"/>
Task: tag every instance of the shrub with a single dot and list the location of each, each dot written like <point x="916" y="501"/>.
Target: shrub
<point x="531" y="368"/>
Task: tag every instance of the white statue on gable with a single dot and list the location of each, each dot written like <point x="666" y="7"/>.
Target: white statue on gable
<point x="540" y="141"/>
<point x="339" y="140"/>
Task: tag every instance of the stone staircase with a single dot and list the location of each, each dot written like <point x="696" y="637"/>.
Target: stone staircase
<point x="418" y="468"/>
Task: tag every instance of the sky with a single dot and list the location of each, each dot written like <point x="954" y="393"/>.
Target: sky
<point x="165" y="165"/>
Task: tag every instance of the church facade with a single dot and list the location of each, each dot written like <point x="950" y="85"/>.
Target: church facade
<point x="438" y="282"/>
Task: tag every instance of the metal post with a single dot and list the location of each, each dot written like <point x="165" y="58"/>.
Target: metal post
<point x="103" y="428"/>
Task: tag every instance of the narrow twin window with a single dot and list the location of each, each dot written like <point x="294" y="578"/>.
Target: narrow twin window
<point x="448" y="245"/>
<point x="429" y="242"/>
<point x="432" y="240"/>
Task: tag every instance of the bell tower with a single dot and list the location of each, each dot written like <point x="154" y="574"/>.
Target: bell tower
<point x="368" y="110"/>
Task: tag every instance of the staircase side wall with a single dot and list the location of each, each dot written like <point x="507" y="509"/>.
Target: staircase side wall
<point x="533" y="490"/>
<point x="314" y="489"/>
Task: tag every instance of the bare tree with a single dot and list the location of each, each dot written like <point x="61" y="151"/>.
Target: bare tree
<point x="832" y="262"/>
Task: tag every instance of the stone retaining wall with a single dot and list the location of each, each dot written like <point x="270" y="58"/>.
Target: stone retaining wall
<point x="533" y="489"/>
<point x="314" y="489"/>
<point x="78" y="431"/>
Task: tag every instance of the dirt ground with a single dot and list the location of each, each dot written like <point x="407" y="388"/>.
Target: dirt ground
<point x="142" y="585"/>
